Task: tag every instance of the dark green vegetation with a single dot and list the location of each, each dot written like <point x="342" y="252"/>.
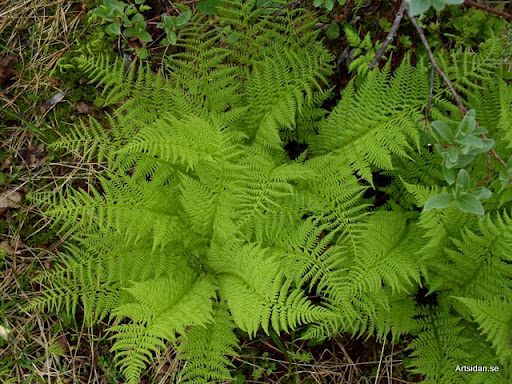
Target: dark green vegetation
<point x="239" y="213"/>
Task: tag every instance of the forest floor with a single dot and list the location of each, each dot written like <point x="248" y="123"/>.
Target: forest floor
<point x="39" y="100"/>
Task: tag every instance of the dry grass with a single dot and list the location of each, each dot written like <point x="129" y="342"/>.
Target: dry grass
<point x="42" y="31"/>
<point x="38" y="349"/>
<point x="333" y="362"/>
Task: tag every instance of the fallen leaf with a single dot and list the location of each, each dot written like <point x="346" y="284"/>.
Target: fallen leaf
<point x="10" y="199"/>
<point x="84" y="107"/>
<point x="62" y="343"/>
<point x="5" y="333"/>
<point x="7" y="68"/>
<point x="4" y="246"/>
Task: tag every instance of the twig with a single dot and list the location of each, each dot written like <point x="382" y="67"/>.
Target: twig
<point x="429" y="103"/>
<point x="391" y="35"/>
<point x="488" y="9"/>
<point x="458" y="99"/>
<point x="488" y="175"/>
<point x="380" y="362"/>
<point x="496" y="156"/>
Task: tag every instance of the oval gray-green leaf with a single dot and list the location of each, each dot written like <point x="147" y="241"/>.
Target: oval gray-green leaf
<point x="467" y="202"/>
<point x="439" y="201"/>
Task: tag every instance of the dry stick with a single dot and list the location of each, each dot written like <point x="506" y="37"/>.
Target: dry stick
<point x="458" y="99"/>
<point x="391" y="35"/>
<point x="496" y="156"/>
<point x="488" y="9"/>
<point x="462" y="108"/>
<point x="488" y="175"/>
<point x="429" y="103"/>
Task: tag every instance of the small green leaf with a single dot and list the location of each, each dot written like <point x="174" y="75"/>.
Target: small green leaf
<point x="333" y="31"/>
<point x="467" y="202"/>
<point x="145" y="37"/>
<point x="172" y="38"/>
<point x="113" y="29"/>
<point x="449" y="175"/>
<point x="468" y="123"/>
<point x="417" y="7"/>
<point x="208" y="7"/>
<point x="444" y="130"/>
<point x="183" y="18"/>
<point x="130" y="32"/>
<point x="452" y="153"/>
<point x="142" y="53"/>
<point x="482" y="193"/>
<point x="439" y="201"/>
<point x="137" y="18"/>
<point x="99" y="101"/>
<point x="463" y="179"/>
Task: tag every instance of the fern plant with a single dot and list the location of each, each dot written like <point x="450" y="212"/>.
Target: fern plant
<point x="203" y="224"/>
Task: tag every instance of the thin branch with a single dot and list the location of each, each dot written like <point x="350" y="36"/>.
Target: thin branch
<point x="488" y="9"/>
<point x="458" y="99"/>
<point x="496" y="156"/>
<point x="391" y="35"/>
<point x="428" y="108"/>
<point x="488" y="175"/>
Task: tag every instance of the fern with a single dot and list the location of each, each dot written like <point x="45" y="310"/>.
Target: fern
<point x="495" y="322"/>
<point x="162" y="308"/>
<point x="379" y="121"/>
<point x="439" y="348"/>
<point x="204" y="350"/>
<point x="201" y="224"/>
<point x="470" y="71"/>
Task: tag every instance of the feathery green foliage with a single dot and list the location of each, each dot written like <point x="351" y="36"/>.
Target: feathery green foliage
<point x="202" y="223"/>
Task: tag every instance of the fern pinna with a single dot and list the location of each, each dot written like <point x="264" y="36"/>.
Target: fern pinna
<point x="201" y="223"/>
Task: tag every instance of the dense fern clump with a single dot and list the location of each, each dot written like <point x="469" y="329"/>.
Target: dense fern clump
<point x="202" y="223"/>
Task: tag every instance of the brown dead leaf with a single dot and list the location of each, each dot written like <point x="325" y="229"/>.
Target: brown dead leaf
<point x="10" y="199"/>
<point x="53" y="81"/>
<point x="33" y="156"/>
<point x="84" y="107"/>
<point x="4" y="246"/>
<point x="62" y="343"/>
<point x="7" y="68"/>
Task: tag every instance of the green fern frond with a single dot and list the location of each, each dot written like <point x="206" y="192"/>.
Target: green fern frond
<point x="470" y="71"/>
<point x="161" y="308"/>
<point x="378" y="122"/>
<point x="111" y="74"/>
<point x="439" y="348"/>
<point x="258" y="294"/>
<point x="205" y="350"/>
<point x="298" y="76"/>
<point x="91" y="142"/>
<point x="179" y="141"/>
<point x="494" y="318"/>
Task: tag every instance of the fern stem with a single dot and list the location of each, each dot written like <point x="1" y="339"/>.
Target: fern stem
<point x="458" y="99"/>
<point x="279" y="344"/>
